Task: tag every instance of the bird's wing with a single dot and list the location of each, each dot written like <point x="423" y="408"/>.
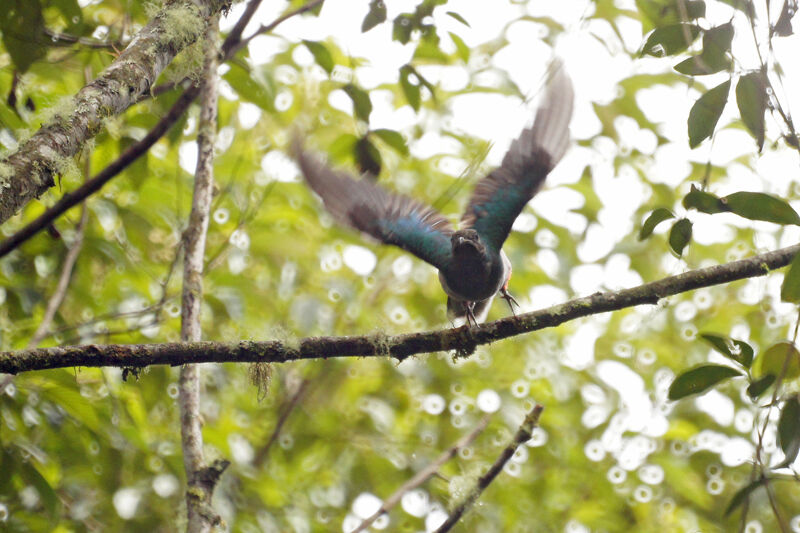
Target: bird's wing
<point x="500" y="197"/>
<point x="390" y="218"/>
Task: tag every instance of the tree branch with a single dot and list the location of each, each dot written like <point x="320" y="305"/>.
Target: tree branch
<point x="199" y="485"/>
<point x="29" y="171"/>
<point x="423" y="475"/>
<point x="93" y="185"/>
<point x="400" y="347"/>
<point x="523" y="435"/>
<point x="231" y="45"/>
<point x="284" y="412"/>
<point x="63" y="281"/>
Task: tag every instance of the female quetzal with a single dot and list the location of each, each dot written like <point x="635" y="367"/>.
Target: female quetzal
<point x="472" y="265"/>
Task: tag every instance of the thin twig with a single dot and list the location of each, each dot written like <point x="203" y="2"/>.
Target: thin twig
<point x="31" y="168"/>
<point x="133" y="152"/>
<point x="63" y="281"/>
<point x="775" y="509"/>
<point x="127" y="157"/>
<point x="274" y="24"/>
<point x="66" y="39"/>
<point x="200" y="516"/>
<point x="759" y="466"/>
<point x="285" y="411"/>
<point x="426" y="473"/>
<point x="523" y="435"/>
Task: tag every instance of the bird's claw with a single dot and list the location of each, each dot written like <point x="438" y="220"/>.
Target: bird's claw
<point x="505" y="295"/>
<point x="471" y="320"/>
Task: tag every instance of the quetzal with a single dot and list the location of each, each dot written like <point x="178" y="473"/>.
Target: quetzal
<point x="472" y="265"/>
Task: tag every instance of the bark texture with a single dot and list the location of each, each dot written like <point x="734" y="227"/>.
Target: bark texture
<point x="462" y="340"/>
<point x="30" y="170"/>
<point x="201" y="518"/>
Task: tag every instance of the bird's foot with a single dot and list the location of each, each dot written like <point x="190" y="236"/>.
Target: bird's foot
<point x="471" y="320"/>
<point x="505" y="295"/>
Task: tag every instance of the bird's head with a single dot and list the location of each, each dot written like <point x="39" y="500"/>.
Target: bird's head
<point x="466" y="241"/>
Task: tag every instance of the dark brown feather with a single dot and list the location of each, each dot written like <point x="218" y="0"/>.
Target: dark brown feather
<point x="367" y="207"/>
<point x="530" y="157"/>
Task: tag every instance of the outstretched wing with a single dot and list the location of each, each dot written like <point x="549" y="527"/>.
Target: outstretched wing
<point x="500" y="197"/>
<point x="391" y="218"/>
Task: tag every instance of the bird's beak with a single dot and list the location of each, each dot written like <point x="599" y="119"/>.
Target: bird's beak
<point x="460" y="240"/>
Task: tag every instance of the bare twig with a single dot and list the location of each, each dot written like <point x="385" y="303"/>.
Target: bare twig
<point x="523" y="435"/>
<point x="66" y="39"/>
<point x="127" y="157"/>
<point x="759" y="466"/>
<point x="464" y="340"/>
<point x="30" y="169"/>
<point x="285" y="411"/>
<point x="63" y="281"/>
<point x="231" y="45"/>
<point x="274" y="24"/>
<point x="426" y="473"/>
<point x="200" y="515"/>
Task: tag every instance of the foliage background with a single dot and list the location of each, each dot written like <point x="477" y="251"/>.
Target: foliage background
<point x="83" y="449"/>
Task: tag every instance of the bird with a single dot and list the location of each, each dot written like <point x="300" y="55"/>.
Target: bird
<point x="473" y="268"/>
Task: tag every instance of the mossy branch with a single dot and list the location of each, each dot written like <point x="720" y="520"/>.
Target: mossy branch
<point x="29" y="171"/>
<point x="400" y="347"/>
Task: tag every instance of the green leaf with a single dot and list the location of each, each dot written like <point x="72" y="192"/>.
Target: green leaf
<point x="699" y="379"/>
<point x="375" y="16"/>
<point x="743" y="494"/>
<point x="462" y="50"/>
<point x="717" y="40"/>
<point x="695" y="9"/>
<point x="700" y="65"/>
<point x="343" y="146"/>
<point x="256" y="89"/>
<point x="665" y="12"/>
<point x="761" y="206"/>
<point x="760" y="386"/>
<point x="459" y="18"/>
<point x="22" y="26"/>
<point x="783" y="27"/>
<point x="48" y="496"/>
<point x="401" y="30"/>
<point x="393" y="139"/>
<point x="670" y="40"/>
<point x="704" y="202"/>
<point x="70" y="10"/>
<point x="428" y="49"/>
<point x="368" y="158"/>
<point x="789" y="430"/>
<point x="656" y="217"/>
<point x="733" y="349"/>
<point x="716" y="44"/>
<point x="680" y="235"/>
<point x="751" y="97"/>
<point x="774" y="359"/>
<point x="790" y="289"/>
<point x="410" y="86"/>
<point x="705" y="113"/>
<point x="745" y="6"/>
<point x="361" y="102"/>
<point x="321" y="55"/>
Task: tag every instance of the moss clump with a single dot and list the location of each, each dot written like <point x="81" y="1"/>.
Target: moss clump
<point x="6" y="173"/>
<point x="382" y="343"/>
<point x="260" y="375"/>
<point x="280" y="334"/>
<point x="183" y="23"/>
